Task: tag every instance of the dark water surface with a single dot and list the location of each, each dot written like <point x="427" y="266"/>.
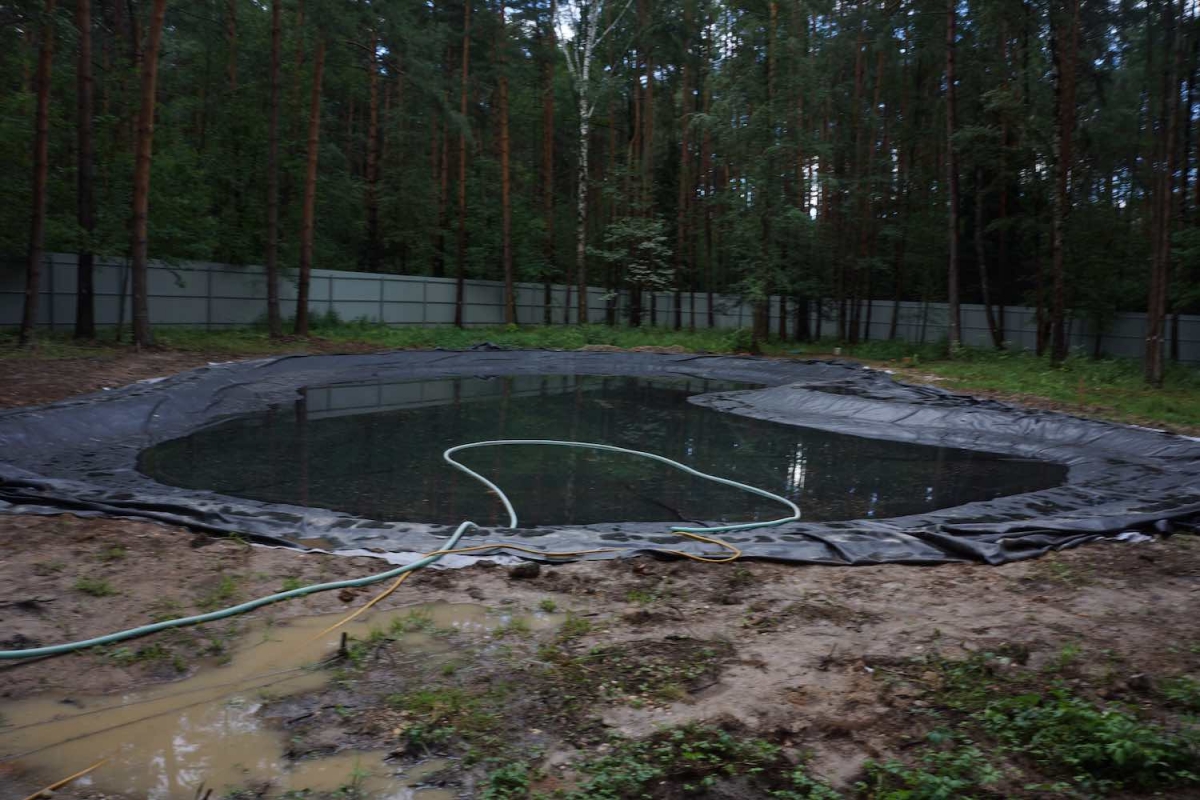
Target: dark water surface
<point x="375" y="450"/>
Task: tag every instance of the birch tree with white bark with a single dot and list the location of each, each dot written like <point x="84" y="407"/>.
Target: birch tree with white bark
<point x="579" y="30"/>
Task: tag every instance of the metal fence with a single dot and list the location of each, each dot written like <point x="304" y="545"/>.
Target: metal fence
<point x="208" y="295"/>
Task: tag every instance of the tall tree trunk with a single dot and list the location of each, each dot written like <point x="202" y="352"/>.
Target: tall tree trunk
<point x="710" y="190"/>
<point x="981" y="263"/>
<point x="465" y="70"/>
<point x="861" y="181"/>
<point x="142" y="336"/>
<point x="581" y="200"/>
<point x="41" y="147"/>
<point x="85" y="303"/>
<point x="681" y="208"/>
<point x="510" y="298"/>
<point x="308" y="213"/>
<point x="1064" y="95"/>
<point x="274" y="322"/>
<point x="231" y="66"/>
<point x="548" y="156"/>
<point x="443" y="202"/>
<point x="371" y="195"/>
<point x="955" y="321"/>
<point x="1160" y="270"/>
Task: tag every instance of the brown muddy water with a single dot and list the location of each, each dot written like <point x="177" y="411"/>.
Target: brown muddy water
<point x="205" y="732"/>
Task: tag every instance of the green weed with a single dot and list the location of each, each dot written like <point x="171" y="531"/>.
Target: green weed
<point x="223" y="594"/>
<point x="696" y="758"/>
<point x="112" y="554"/>
<point x="960" y="772"/>
<point x="509" y="781"/>
<point x="1183" y="692"/>
<point x="96" y="587"/>
<point x="1095" y="747"/>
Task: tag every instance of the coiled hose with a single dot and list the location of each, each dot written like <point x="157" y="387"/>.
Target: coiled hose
<point x="699" y="534"/>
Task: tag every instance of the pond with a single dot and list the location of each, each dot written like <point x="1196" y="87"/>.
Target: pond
<point x="374" y="450"/>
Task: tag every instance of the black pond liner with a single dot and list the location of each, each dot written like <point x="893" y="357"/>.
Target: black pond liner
<point x="80" y="456"/>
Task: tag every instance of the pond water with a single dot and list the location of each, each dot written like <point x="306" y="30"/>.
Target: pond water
<point x="375" y="450"/>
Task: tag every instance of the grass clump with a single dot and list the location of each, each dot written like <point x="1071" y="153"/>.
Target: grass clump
<point x="223" y="594"/>
<point x="694" y="758"/>
<point x="1182" y="692"/>
<point x="948" y="767"/>
<point x="112" y="554"/>
<point x="1039" y="718"/>
<point x="95" y="587"/>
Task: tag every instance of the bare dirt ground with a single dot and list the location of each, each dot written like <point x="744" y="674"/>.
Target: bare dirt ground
<point x="821" y="669"/>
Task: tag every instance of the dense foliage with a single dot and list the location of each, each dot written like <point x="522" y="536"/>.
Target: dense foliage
<point x="794" y="147"/>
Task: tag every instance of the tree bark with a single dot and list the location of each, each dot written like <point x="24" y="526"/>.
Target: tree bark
<point x="510" y="299"/>
<point x="548" y="157"/>
<point x="274" y="322"/>
<point x="308" y="213"/>
<point x="231" y="66"/>
<point x="681" y="209"/>
<point x="41" y="149"/>
<point x="371" y="195"/>
<point x="955" y="321"/>
<point x="1156" y="305"/>
<point x="1064" y="95"/>
<point x="981" y="263"/>
<point x="85" y="292"/>
<point x="461" y="277"/>
<point x="142" y="336"/>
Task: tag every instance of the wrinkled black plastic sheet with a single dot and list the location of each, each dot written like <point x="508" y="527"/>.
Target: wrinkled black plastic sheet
<point x="80" y="456"/>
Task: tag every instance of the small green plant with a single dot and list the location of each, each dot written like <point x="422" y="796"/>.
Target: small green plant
<point x="165" y="610"/>
<point x="508" y="781"/>
<point x="949" y="767"/>
<point x="1182" y="692"/>
<point x="96" y="587"/>
<point x="574" y="627"/>
<point x="548" y="605"/>
<point x="354" y="788"/>
<point x="516" y="626"/>
<point x="111" y="554"/>
<point x="642" y="597"/>
<point x="696" y="758"/>
<point x="222" y="594"/>
<point x="44" y="568"/>
<point x="740" y="577"/>
<point x="127" y="656"/>
<point x="417" y="620"/>
<point x="291" y="584"/>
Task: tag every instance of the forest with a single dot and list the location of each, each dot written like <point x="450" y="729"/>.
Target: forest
<point x="1001" y="152"/>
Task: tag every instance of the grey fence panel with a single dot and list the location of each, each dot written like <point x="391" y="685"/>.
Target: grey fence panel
<point x="201" y="294"/>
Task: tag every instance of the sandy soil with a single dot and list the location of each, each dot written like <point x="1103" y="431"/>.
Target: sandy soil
<point x="818" y="659"/>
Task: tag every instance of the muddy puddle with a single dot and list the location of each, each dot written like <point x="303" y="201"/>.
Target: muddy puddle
<point x="205" y="732"/>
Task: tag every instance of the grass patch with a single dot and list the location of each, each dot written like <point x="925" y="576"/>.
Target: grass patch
<point x="660" y="671"/>
<point x="1039" y="719"/>
<point x="95" y="587"/>
<point x="695" y="759"/>
<point x="223" y="594"/>
<point x="1109" y="388"/>
<point x="112" y="554"/>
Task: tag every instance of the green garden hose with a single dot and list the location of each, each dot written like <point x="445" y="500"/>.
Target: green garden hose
<point x="697" y="533"/>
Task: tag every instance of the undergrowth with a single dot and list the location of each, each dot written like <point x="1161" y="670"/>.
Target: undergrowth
<point x="1005" y="719"/>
